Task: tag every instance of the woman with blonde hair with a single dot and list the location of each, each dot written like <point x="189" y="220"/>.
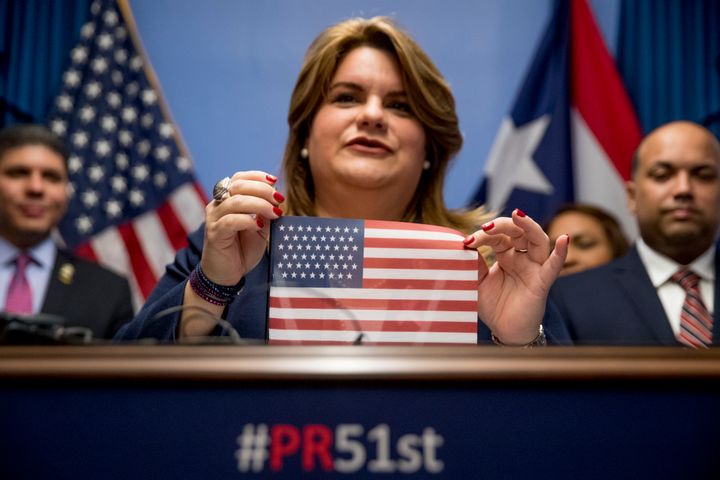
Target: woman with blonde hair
<point x="372" y="129"/>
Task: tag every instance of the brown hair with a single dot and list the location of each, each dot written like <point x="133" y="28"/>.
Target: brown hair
<point x="430" y="99"/>
<point x="22" y="135"/>
<point x="610" y="226"/>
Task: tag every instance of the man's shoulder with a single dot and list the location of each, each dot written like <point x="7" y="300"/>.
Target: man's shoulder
<point x="84" y="268"/>
<point x="589" y="275"/>
<point x="599" y="276"/>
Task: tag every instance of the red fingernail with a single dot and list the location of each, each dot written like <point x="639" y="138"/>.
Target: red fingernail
<point x="260" y="222"/>
<point x="271" y="178"/>
<point x="488" y="226"/>
<point x="277" y="211"/>
<point x="520" y="213"/>
<point x="278" y="197"/>
<point x="568" y="235"/>
<point x="469" y="239"/>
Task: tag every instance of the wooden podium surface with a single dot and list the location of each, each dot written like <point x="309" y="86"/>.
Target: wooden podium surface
<point x="227" y="363"/>
<point x="191" y="411"/>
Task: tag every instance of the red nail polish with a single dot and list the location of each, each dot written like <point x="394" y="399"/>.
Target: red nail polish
<point x="260" y="222"/>
<point x="277" y="211"/>
<point x="488" y="226"/>
<point x="469" y="239"/>
<point x="271" y="178"/>
<point x="568" y="235"/>
<point x="278" y="197"/>
<point x="520" y="213"/>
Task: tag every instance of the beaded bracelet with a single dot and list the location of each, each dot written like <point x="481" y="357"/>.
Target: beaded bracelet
<point x="213" y="292"/>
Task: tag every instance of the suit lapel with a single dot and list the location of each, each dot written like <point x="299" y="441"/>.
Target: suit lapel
<point x="635" y="283"/>
<point x="61" y="276"/>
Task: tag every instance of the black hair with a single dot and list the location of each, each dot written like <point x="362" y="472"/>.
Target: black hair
<point x="22" y="135"/>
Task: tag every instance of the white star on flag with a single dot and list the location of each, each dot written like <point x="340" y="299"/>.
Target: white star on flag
<point x="510" y="163"/>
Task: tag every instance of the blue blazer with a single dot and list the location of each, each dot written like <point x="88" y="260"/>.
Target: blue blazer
<point x="616" y="304"/>
<point x="248" y="313"/>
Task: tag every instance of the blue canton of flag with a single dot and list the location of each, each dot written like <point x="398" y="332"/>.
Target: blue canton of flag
<point x="326" y="253"/>
<point x="133" y="195"/>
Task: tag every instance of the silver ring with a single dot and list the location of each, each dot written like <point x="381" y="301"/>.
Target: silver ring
<point x="220" y="189"/>
<point x="521" y="250"/>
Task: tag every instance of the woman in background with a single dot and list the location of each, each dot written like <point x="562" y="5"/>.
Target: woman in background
<point x="595" y="236"/>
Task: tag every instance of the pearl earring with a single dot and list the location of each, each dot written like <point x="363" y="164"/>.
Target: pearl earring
<point x="304" y="153"/>
<point x="426" y="165"/>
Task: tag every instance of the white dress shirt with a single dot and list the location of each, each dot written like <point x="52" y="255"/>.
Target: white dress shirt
<point x="672" y="296"/>
<point x="38" y="270"/>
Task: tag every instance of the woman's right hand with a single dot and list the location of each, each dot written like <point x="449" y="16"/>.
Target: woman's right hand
<point x="237" y="228"/>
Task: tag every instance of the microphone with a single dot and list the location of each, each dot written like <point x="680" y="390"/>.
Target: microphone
<point x="233" y="337"/>
<point x="40" y="329"/>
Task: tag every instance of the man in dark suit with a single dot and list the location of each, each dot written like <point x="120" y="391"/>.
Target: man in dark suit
<point x="637" y="299"/>
<point x="35" y="275"/>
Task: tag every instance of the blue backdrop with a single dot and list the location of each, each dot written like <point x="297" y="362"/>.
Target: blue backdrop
<point x="672" y="46"/>
<point x="227" y="68"/>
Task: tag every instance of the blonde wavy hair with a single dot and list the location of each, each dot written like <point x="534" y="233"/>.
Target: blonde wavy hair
<point x="429" y="97"/>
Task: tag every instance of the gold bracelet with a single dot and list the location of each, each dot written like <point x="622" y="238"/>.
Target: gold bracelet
<point x="539" y="341"/>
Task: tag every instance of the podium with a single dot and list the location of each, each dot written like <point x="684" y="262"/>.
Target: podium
<point x="358" y="412"/>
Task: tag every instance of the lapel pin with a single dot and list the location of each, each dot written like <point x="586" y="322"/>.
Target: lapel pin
<point x="66" y="273"/>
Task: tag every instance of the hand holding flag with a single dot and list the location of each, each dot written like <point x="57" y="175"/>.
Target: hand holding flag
<point x="513" y="292"/>
<point x="236" y="229"/>
<point x="337" y="280"/>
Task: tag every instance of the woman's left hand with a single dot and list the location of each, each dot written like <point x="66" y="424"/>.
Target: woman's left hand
<point x="513" y="292"/>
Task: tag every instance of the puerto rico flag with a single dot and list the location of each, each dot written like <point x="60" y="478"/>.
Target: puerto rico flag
<point x="336" y="281"/>
<point x="571" y="132"/>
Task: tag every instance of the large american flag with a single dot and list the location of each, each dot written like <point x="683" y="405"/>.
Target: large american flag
<point x="337" y="281"/>
<point x="133" y="194"/>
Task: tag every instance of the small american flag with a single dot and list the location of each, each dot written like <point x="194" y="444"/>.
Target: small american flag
<point x="335" y="281"/>
<point x="133" y="194"/>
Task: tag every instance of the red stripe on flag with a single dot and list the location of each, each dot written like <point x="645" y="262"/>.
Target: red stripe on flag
<point x="374" y="304"/>
<point x="418" y="227"/>
<point x="141" y="268"/>
<point x="420" y="263"/>
<point x="372" y="325"/>
<point x="174" y="230"/>
<point x="413" y="243"/>
<point x="86" y="251"/>
<point x="333" y="342"/>
<point x="420" y="284"/>
<point x="200" y="192"/>
<point x="598" y="92"/>
<point x="310" y="342"/>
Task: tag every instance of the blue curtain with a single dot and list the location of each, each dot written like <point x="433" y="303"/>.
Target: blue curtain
<point x="36" y="37"/>
<point x="669" y="56"/>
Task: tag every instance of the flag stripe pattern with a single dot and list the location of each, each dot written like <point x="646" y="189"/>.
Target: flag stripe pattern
<point x="593" y="70"/>
<point x="133" y="195"/>
<point x="334" y="281"/>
